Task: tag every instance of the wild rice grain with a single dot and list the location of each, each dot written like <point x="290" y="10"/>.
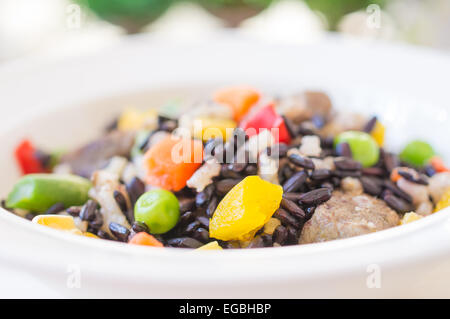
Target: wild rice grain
<point x="212" y="205"/>
<point x="74" y="211"/>
<point x="370" y="125"/>
<point x="343" y="149"/>
<point x="184" y="242"/>
<point x="225" y="185"/>
<point x="347" y="164"/>
<point x="204" y="221"/>
<point x="414" y="178"/>
<point x="320" y="174"/>
<point x="121" y="201"/>
<point x="138" y="227"/>
<point x="398" y="204"/>
<point x="135" y="188"/>
<point x="370" y="186"/>
<point x="286" y="218"/>
<point x="280" y="235"/>
<point x="201" y="234"/>
<point x="343" y="174"/>
<point x="56" y="208"/>
<point x="301" y="161"/>
<point x="397" y="191"/>
<point x="88" y="210"/>
<point x="292" y="208"/>
<point x="186" y="203"/>
<point x="119" y="231"/>
<point x="295" y="182"/>
<point x="292" y="196"/>
<point x="315" y="197"/>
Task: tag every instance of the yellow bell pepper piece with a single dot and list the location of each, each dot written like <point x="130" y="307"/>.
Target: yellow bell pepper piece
<point x="133" y="119"/>
<point x="410" y="217"/>
<point x="214" y="245"/>
<point x="444" y="202"/>
<point x="60" y="222"/>
<point x="378" y="133"/>
<point x="245" y="209"/>
<point x="206" y="128"/>
<point x="91" y="235"/>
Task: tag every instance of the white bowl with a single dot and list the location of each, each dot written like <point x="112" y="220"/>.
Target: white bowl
<point x="65" y="103"/>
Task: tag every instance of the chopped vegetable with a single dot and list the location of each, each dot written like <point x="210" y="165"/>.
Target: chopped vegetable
<point x="214" y="245"/>
<point x="378" y="133"/>
<point x="145" y="239"/>
<point x="91" y="235"/>
<point x="172" y="161"/>
<point x="158" y="209"/>
<point x="133" y="119"/>
<point x="239" y="99"/>
<point x="444" y="202"/>
<point x="60" y="222"/>
<point x="25" y="156"/>
<point x="267" y="118"/>
<point x="213" y="128"/>
<point x="363" y="146"/>
<point x="438" y="164"/>
<point x="139" y="141"/>
<point x="395" y="176"/>
<point x="417" y="153"/>
<point x="38" y="192"/>
<point x="245" y="209"/>
<point x="410" y="217"/>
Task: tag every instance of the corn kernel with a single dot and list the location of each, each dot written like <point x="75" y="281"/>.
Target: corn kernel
<point x="55" y="221"/>
<point x="91" y="235"/>
<point x="444" y="202"/>
<point x="132" y="119"/>
<point x="410" y="217"/>
<point x="214" y="245"/>
<point x="271" y="225"/>
<point x="378" y="133"/>
<point x="206" y="128"/>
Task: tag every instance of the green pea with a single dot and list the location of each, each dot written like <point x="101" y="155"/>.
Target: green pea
<point x="417" y="153"/>
<point x="363" y="146"/>
<point x="158" y="209"/>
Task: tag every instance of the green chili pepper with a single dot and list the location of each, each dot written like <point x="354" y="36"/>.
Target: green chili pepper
<point x="38" y="192"/>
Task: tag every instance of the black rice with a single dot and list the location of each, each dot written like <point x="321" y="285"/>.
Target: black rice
<point x="56" y="208"/>
<point x="295" y="182"/>
<point x="119" y="231"/>
<point x="347" y="164"/>
<point x="315" y="197"/>
<point x="292" y="208"/>
<point x="301" y="161"/>
<point x="184" y="242"/>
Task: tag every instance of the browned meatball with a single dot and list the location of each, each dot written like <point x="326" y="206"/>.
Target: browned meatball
<point x="347" y="215"/>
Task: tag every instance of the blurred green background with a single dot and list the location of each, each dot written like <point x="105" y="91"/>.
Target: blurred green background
<point x="135" y="14"/>
<point x="71" y="27"/>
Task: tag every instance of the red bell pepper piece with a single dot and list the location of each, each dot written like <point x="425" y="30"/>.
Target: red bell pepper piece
<point x="25" y="156"/>
<point x="267" y="118"/>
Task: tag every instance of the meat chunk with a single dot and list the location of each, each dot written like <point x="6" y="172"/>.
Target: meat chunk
<point x="96" y="155"/>
<point x="346" y="215"/>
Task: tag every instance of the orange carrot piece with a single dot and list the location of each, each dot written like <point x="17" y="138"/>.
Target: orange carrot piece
<point x="239" y="99"/>
<point x="172" y="161"/>
<point x="395" y="176"/>
<point x="438" y="164"/>
<point x="145" y="239"/>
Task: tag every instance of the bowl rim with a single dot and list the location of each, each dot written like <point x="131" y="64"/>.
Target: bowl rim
<point x="342" y="246"/>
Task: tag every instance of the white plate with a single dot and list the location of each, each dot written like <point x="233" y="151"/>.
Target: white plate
<point x="65" y="103"/>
